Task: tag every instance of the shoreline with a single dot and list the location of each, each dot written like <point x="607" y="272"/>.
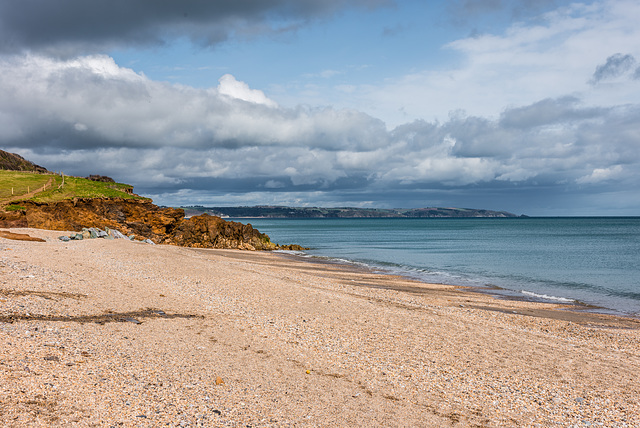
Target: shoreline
<point x="494" y="291"/>
<point x="118" y="332"/>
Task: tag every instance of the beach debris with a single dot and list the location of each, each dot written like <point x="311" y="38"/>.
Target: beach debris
<point x="51" y="358"/>
<point x="219" y="381"/>
<point x="133" y="320"/>
<point x="19" y="236"/>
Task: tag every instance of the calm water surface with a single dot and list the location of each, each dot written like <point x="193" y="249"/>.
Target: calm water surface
<point x="595" y="261"/>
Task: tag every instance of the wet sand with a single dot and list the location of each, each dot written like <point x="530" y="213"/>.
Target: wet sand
<point x="117" y="333"/>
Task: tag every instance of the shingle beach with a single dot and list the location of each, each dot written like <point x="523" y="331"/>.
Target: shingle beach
<point x="119" y="333"/>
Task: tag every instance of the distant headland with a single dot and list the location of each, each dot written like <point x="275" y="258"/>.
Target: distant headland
<point x="267" y="211"/>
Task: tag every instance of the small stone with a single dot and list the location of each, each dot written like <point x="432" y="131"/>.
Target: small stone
<point x="219" y="381"/>
<point x="64" y="238"/>
<point x="51" y="358"/>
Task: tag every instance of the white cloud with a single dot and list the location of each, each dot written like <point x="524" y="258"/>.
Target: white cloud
<point x="115" y="106"/>
<point x="552" y="57"/>
<point x="240" y="90"/>
<point x="601" y="174"/>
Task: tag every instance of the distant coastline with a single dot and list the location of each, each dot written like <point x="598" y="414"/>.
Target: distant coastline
<point x="265" y="211"/>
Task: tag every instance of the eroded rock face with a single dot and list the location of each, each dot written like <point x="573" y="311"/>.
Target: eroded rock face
<point x="206" y="231"/>
<point x="140" y="218"/>
<point x="13" y="219"/>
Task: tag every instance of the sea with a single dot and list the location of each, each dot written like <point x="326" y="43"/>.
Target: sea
<point x="592" y="262"/>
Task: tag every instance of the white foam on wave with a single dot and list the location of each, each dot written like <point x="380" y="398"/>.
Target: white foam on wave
<point x="547" y="297"/>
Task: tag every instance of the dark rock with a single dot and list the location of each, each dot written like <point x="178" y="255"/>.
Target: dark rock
<point x="102" y="178"/>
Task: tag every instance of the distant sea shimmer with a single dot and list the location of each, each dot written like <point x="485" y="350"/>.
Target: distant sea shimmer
<point x="583" y="260"/>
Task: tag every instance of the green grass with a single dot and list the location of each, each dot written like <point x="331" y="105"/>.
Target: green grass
<point x="73" y="187"/>
<point x="14" y="207"/>
<point x="20" y="182"/>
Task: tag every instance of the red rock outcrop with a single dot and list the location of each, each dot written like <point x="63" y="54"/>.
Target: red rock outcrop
<point x="142" y="219"/>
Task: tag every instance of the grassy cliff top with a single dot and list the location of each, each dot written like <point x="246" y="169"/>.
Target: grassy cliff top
<point x="16" y="186"/>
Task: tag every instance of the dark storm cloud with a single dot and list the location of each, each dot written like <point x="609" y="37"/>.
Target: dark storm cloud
<point x="73" y="26"/>
<point x="615" y="66"/>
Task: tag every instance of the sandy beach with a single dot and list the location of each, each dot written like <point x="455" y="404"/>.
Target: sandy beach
<point x="119" y="333"/>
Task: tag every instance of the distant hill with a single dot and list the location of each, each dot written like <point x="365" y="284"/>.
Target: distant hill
<point x="14" y="162"/>
<point x="344" y="212"/>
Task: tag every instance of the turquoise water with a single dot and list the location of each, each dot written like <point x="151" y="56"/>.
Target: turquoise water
<point x="595" y="261"/>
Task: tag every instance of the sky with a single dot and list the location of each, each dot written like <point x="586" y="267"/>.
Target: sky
<point x="529" y="106"/>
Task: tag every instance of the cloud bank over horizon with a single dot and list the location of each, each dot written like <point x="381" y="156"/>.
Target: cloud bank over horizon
<point x="540" y="119"/>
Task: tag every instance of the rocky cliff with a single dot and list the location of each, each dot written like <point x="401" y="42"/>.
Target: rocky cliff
<point x="14" y="162"/>
<point x="142" y="219"/>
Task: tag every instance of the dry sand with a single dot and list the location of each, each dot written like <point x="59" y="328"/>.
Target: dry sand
<point x="117" y="333"/>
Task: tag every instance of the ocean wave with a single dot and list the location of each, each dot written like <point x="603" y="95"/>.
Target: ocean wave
<point x="547" y="297"/>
